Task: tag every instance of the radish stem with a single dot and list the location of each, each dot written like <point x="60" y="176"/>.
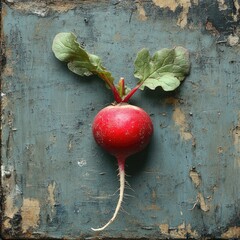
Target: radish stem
<point x="121" y="165"/>
<point x="126" y="99"/>
<point x="121" y="86"/>
<point x="116" y="95"/>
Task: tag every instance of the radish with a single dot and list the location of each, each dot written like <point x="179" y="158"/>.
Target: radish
<point x="123" y="129"/>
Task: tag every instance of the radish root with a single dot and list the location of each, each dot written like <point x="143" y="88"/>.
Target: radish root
<point x="121" y="164"/>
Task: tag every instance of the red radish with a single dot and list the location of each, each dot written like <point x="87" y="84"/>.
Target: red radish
<point x="122" y="130"/>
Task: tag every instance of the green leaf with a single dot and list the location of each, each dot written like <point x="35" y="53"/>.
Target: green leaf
<point x="166" y="68"/>
<point x="67" y="49"/>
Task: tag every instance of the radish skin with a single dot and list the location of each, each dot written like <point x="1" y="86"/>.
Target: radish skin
<point x="122" y="130"/>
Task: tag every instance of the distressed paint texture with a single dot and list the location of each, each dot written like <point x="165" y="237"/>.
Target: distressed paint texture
<point x="30" y="211"/>
<point x="57" y="183"/>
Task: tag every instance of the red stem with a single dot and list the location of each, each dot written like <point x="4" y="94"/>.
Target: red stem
<point x="126" y="99"/>
<point x="116" y="95"/>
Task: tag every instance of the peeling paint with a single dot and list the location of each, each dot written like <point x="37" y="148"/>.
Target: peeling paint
<point x="173" y="5"/>
<point x="51" y="195"/>
<point x="8" y="70"/>
<point x="180" y="232"/>
<point x="231" y="233"/>
<point x="211" y="28"/>
<point x="164" y="228"/>
<point x="53" y="138"/>
<point x="195" y="177"/>
<point x="30" y="212"/>
<point x="200" y="199"/>
<point x="51" y="200"/>
<point x="236" y="141"/>
<point x="180" y="120"/>
<point x="42" y="9"/>
<point x="82" y="162"/>
<point x="222" y="5"/>
<point x="10" y="210"/>
<point x="237" y="7"/>
<point x="4" y="101"/>
<point x="11" y="193"/>
<point x="233" y="40"/>
<point x="141" y="12"/>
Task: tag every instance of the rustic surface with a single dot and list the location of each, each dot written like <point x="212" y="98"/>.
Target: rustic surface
<point x="58" y="184"/>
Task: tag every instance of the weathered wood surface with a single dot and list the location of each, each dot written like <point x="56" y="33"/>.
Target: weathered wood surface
<point x="56" y="183"/>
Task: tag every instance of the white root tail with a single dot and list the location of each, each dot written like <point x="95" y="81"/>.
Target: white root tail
<point x="122" y="186"/>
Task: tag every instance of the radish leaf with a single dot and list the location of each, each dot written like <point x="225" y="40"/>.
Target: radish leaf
<point x="166" y="68"/>
<point x="67" y="49"/>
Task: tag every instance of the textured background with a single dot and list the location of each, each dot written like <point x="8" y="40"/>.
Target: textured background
<point x="57" y="183"/>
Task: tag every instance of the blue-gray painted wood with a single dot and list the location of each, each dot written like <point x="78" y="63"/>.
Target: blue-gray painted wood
<point x="58" y="183"/>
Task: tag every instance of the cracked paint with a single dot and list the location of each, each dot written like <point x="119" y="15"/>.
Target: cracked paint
<point x="30" y="212"/>
<point x="42" y="9"/>
<point x="141" y="12"/>
<point x="211" y="28"/>
<point x="200" y="200"/>
<point x="180" y="120"/>
<point x="11" y="192"/>
<point x="231" y="233"/>
<point x="4" y="101"/>
<point x="173" y="5"/>
<point x="181" y="231"/>
<point x="51" y="195"/>
<point x="8" y="68"/>
<point x="237" y="7"/>
<point x="51" y="199"/>
<point x="195" y="177"/>
<point x="222" y="5"/>
<point x="233" y="40"/>
<point x="236" y="141"/>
